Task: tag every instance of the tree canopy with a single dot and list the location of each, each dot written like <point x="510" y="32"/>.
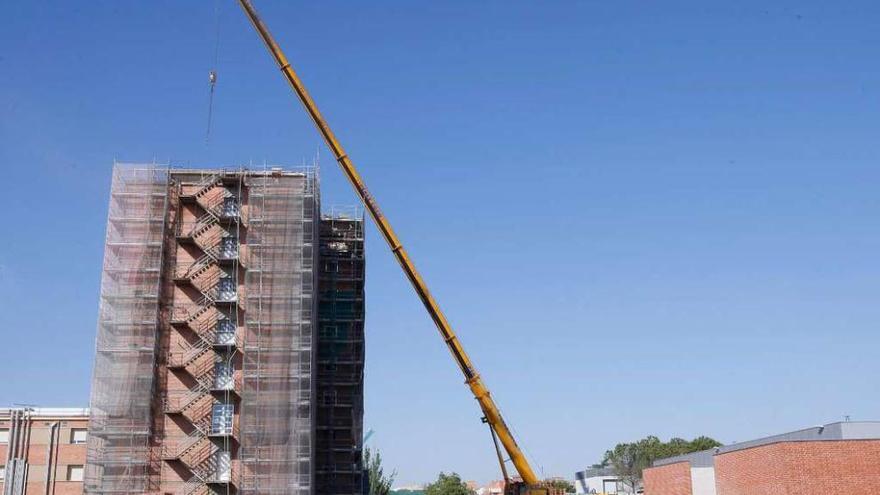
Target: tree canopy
<point x="448" y="484"/>
<point x="379" y="482"/>
<point x="629" y="459"/>
<point x="562" y="485"/>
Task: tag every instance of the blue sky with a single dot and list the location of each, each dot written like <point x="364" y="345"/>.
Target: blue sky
<point x="642" y="218"/>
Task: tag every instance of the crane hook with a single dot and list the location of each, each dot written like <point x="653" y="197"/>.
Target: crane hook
<point x="212" y="80"/>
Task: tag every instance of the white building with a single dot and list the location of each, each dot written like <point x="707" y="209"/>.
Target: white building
<point x="599" y="481"/>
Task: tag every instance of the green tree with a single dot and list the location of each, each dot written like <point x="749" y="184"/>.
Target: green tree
<point x="629" y="459"/>
<point x="675" y="446"/>
<point x="562" y="485"/>
<point x="704" y="443"/>
<point x="380" y="484"/>
<point x="448" y="484"/>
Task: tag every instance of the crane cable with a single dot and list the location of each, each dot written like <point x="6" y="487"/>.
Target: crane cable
<point x="212" y="82"/>
<point x="212" y="74"/>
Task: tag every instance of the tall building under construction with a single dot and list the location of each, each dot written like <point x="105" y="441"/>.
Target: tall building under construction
<point x="230" y="341"/>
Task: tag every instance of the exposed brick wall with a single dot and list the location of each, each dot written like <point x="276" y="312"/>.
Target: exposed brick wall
<point x="64" y="453"/>
<point x="671" y="479"/>
<point x="795" y="468"/>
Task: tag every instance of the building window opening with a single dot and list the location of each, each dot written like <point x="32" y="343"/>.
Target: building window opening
<point x="74" y="473"/>
<point x="223" y="461"/>
<point x="229" y="248"/>
<point x="78" y="435"/>
<point x="223" y="375"/>
<point x="226" y="289"/>
<point x="225" y="332"/>
<point x="230" y="207"/>
<point x="221" y="419"/>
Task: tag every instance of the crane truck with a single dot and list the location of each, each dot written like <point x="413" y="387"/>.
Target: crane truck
<point x="528" y="483"/>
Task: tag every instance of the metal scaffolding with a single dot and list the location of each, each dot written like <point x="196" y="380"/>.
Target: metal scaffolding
<point x="203" y="379"/>
<point x="119" y="457"/>
<point x="340" y="359"/>
<point x="277" y="417"/>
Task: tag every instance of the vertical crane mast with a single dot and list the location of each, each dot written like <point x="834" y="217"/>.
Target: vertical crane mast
<point x="472" y="378"/>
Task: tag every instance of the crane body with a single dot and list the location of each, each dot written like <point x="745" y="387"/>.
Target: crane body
<point x="530" y="483"/>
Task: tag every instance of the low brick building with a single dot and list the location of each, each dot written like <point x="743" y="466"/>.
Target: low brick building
<point x="834" y="458"/>
<point x="43" y="450"/>
<point x="669" y="479"/>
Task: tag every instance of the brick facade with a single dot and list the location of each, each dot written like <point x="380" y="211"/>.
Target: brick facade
<point x="778" y="467"/>
<point x="46" y="443"/>
<point x="839" y="466"/>
<point x="671" y="479"/>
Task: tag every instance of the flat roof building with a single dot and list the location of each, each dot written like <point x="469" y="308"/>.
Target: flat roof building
<point x="841" y="457"/>
<point x="43" y="450"/>
<point x="600" y="480"/>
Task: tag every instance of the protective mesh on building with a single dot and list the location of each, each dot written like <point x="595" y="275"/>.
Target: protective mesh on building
<point x="277" y="407"/>
<point x="119" y="456"/>
<point x="340" y="359"/>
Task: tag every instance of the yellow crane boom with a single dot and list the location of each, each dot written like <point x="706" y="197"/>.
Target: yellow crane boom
<point x="472" y="378"/>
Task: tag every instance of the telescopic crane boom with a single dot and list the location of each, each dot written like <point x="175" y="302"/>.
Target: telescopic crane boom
<point x="492" y="415"/>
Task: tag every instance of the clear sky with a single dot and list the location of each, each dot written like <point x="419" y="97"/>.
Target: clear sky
<point x="642" y="217"/>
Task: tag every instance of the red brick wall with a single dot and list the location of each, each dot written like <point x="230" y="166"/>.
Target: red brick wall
<point x="65" y="454"/>
<point x="671" y="479"/>
<point x="794" y="468"/>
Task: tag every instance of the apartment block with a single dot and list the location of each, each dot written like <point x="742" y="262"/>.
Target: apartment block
<point x="43" y="450"/>
<point x="208" y="337"/>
